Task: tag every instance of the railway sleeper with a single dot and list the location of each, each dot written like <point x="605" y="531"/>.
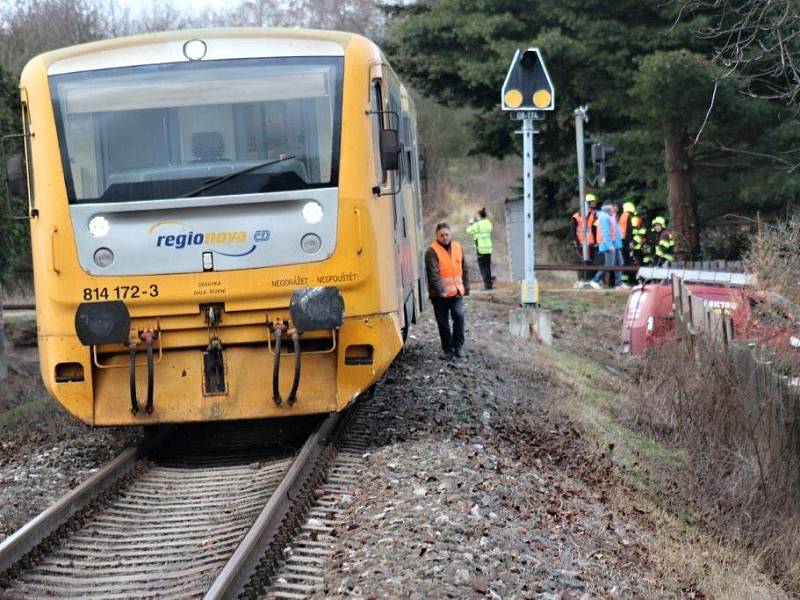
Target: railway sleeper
<point x="287" y="595"/>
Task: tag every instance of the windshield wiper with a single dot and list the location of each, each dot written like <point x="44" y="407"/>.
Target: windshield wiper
<point x="229" y="176"/>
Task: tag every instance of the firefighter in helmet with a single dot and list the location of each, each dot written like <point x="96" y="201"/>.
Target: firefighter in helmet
<point x="662" y="242"/>
<point x="626" y="227"/>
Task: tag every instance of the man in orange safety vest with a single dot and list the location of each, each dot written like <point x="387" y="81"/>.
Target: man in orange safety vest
<point x="448" y="283"/>
<point x="578" y="230"/>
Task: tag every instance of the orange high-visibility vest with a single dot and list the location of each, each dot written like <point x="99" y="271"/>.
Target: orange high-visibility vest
<point x="579" y="227"/>
<point x="624" y="219"/>
<point x="450" y="268"/>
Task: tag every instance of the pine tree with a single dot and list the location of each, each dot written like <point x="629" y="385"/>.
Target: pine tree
<point x="646" y="77"/>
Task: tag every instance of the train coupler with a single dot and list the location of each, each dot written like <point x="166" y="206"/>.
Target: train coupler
<point x="214" y="367"/>
<point x="132" y="378"/>
<point x="214" y="354"/>
<point x="148" y="337"/>
<point x="279" y="330"/>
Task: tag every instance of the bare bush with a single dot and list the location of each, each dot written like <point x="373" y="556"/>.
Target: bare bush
<point x="30" y="27"/>
<point x="774" y="258"/>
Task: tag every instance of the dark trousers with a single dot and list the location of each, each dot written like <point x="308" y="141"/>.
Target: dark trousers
<point x="627" y="260"/>
<point x="585" y="275"/>
<point x="485" y="265"/>
<point x="444" y="309"/>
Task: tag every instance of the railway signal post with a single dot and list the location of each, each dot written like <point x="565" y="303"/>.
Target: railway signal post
<point x="526" y="91"/>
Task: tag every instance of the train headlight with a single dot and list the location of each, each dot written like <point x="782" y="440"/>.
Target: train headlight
<point x="311" y="243"/>
<point x="102" y="323"/>
<point x="99" y="226"/>
<point x="312" y="212"/>
<point x="103" y="257"/>
<point x="195" y="49"/>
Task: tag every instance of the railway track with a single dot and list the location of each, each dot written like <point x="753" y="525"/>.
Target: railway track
<point x="301" y="572"/>
<point x="189" y="516"/>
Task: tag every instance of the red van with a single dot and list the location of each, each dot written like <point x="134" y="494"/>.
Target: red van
<point x="648" y="318"/>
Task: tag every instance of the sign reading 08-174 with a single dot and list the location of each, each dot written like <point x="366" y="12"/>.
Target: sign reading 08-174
<point x="528" y="85"/>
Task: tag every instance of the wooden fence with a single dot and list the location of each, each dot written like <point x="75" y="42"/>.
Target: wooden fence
<point x="771" y="403"/>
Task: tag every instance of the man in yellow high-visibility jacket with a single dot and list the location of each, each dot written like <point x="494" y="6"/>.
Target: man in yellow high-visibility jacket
<point x="481" y="231"/>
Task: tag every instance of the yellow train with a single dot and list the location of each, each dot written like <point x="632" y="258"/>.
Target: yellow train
<point x="226" y="223"/>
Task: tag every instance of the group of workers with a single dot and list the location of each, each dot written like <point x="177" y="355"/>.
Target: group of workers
<point x="619" y="238"/>
<point x="614" y="237"/>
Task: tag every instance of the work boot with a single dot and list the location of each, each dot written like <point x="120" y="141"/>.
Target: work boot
<point x="448" y="356"/>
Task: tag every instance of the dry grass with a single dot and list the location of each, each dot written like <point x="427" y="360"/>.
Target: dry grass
<point x="680" y="541"/>
<point x="744" y="479"/>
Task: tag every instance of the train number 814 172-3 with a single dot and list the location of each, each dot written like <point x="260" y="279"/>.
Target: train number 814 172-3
<point x="120" y="292"/>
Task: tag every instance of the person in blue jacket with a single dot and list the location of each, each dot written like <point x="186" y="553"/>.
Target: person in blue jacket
<point x="619" y="246"/>
<point x="607" y="239"/>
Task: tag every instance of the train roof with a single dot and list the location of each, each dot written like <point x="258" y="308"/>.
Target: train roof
<point x="154" y="48"/>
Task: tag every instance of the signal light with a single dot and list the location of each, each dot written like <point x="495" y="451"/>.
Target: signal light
<point x="527" y="86"/>
<point x="513" y="98"/>
<point x="541" y="99"/>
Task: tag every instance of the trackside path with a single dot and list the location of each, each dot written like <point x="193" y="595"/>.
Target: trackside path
<point x="477" y="485"/>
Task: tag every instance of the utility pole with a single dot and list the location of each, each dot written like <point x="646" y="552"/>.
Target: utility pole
<point x="530" y="288"/>
<point x="582" y="117"/>
<point x="527" y="90"/>
<point x="3" y="355"/>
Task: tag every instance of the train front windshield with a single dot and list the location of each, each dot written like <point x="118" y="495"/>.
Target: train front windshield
<point x="225" y="127"/>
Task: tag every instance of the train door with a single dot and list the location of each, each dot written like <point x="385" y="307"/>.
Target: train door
<point x="416" y="230"/>
<point x="399" y="200"/>
<point x="402" y="205"/>
<point x="388" y="181"/>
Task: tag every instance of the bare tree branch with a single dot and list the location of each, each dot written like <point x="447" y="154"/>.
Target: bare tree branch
<point x="708" y="113"/>
<point x="761" y="38"/>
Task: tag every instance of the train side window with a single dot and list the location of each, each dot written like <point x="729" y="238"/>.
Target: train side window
<point x="395" y="121"/>
<point x="376" y="103"/>
<point x="408" y="172"/>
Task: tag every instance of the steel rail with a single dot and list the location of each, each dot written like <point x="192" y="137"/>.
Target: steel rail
<point x="18" y="544"/>
<point x="562" y="267"/>
<point x="243" y="562"/>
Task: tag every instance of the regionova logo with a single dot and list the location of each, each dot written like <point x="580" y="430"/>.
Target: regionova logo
<point x="177" y="235"/>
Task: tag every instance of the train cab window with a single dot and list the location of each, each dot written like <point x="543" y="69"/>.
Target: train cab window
<point x="160" y="131"/>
